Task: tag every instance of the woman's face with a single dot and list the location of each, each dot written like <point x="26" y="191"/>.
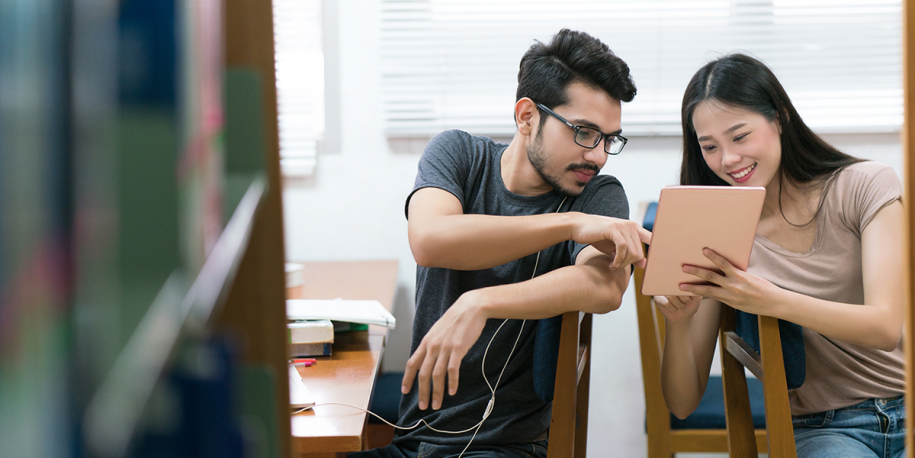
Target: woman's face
<point x="741" y="146"/>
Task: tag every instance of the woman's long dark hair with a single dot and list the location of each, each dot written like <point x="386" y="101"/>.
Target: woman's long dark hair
<point x="741" y="81"/>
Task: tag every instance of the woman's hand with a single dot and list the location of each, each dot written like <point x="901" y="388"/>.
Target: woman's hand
<point x="677" y="308"/>
<point x="734" y="287"/>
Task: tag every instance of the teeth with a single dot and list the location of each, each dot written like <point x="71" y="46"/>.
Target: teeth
<point x="745" y="172"/>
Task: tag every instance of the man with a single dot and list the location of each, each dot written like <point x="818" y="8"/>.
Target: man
<point x="523" y="231"/>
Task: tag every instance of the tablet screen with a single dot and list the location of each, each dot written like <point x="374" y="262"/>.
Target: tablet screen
<point x="690" y="218"/>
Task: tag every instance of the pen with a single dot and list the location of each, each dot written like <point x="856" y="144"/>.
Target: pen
<point x="303" y="360"/>
<point x="304" y="363"/>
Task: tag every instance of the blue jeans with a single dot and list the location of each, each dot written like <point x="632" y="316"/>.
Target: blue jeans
<point x="428" y="450"/>
<point x="873" y="428"/>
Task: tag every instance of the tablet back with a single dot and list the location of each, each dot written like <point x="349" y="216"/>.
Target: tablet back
<point x="690" y="218"/>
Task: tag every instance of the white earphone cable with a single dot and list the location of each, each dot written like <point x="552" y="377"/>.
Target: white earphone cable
<point x="492" y="401"/>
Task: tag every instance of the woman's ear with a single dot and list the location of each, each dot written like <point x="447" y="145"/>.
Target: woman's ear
<point x="526" y="114"/>
<point x="778" y="121"/>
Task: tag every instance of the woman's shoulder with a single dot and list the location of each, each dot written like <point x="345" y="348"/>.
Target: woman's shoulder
<point x="867" y="168"/>
<point x="867" y="174"/>
<point x="860" y="190"/>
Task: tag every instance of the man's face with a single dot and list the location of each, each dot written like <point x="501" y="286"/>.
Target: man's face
<point x="563" y="164"/>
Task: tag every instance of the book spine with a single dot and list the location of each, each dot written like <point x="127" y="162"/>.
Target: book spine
<point x="310" y="349"/>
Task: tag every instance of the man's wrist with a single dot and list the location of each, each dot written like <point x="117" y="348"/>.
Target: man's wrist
<point x="478" y="302"/>
<point x="572" y="221"/>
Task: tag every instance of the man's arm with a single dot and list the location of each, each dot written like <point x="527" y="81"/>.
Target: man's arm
<point x="591" y="285"/>
<point x="441" y="235"/>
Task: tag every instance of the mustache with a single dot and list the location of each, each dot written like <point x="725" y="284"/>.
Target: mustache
<point x="590" y="167"/>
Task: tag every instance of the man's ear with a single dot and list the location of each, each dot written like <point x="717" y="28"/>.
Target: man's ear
<point x="526" y="114"/>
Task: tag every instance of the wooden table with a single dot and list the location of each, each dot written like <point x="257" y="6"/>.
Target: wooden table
<point x="348" y="376"/>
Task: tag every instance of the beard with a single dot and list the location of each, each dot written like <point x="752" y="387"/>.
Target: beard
<point x="541" y="162"/>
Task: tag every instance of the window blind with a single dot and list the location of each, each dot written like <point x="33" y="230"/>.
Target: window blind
<point x="454" y="63"/>
<point x="299" y="83"/>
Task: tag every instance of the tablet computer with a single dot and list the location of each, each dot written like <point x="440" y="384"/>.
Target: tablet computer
<point x="690" y="218"/>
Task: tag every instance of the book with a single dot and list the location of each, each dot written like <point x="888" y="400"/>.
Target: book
<point x="364" y="312"/>
<point x="310" y="331"/>
<point x="309" y="349"/>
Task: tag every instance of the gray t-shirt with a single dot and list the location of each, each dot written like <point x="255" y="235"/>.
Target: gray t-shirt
<point x="839" y="374"/>
<point x="469" y="167"/>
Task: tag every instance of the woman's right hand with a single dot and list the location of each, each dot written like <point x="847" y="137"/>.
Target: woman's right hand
<point x="677" y="308"/>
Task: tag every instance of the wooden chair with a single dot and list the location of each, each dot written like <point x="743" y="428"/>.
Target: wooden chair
<point x="569" y="421"/>
<point x="769" y="367"/>
<point x="663" y="439"/>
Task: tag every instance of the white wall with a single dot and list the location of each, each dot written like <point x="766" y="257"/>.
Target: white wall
<point x="353" y="209"/>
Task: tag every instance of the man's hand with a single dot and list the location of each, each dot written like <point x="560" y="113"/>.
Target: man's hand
<point x="442" y="350"/>
<point x="615" y="237"/>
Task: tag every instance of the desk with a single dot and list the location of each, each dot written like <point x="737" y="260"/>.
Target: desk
<point x="347" y="376"/>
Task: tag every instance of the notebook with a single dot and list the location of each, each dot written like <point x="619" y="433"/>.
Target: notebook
<point x="365" y="312"/>
<point x="299" y="396"/>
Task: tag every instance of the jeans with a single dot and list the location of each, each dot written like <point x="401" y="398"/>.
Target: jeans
<point x="873" y="428"/>
<point x="428" y="450"/>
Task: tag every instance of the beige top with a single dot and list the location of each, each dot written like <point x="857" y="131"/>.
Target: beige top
<point x="839" y="374"/>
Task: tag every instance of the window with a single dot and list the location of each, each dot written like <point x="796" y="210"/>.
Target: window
<point x="454" y="63"/>
<point x="299" y="83"/>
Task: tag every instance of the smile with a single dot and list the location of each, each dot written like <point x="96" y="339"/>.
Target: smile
<point x="743" y="172"/>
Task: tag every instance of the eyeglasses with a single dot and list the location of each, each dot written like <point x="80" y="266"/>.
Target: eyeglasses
<point x="590" y="138"/>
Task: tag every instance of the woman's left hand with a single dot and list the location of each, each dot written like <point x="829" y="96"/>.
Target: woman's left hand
<point x="737" y="288"/>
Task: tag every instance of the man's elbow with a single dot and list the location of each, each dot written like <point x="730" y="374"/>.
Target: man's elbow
<point x="609" y="304"/>
<point x="422" y="245"/>
<point x="610" y="286"/>
<point x="421" y="256"/>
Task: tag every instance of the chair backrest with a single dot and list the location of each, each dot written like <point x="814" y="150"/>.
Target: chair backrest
<point x="569" y="421"/>
<point x="769" y="367"/>
<point x="663" y="441"/>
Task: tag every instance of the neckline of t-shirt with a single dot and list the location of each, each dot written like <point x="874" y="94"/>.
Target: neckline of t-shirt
<point x="510" y="197"/>
<point x="820" y="236"/>
<point x="814" y="247"/>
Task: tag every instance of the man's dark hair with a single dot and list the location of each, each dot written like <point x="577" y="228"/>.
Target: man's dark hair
<point x="547" y="70"/>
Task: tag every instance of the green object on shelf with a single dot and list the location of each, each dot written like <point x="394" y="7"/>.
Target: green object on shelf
<point x="344" y="326"/>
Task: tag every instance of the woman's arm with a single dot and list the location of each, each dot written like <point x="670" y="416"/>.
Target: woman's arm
<point x="876" y="324"/>
<point x="689" y="346"/>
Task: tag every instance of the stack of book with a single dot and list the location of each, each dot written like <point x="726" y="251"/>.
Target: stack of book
<point x="310" y="338"/>
<point x="311" y="331"/>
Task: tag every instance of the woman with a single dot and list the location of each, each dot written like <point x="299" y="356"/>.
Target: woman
<point x="826" y="257"/>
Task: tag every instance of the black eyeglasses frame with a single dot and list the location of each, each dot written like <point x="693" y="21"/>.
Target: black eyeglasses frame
<point x="605" y="138"/>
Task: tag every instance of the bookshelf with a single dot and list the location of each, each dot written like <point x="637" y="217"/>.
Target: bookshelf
<point x="142" y="307"/>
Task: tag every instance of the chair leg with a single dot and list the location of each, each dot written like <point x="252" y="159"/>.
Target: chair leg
<point x="581" y="403"/>
<point x="780" y="433"/>
<point x="741" y="435"/>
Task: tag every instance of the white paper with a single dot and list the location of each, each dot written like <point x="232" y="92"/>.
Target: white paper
<point x="365" y="312"/>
